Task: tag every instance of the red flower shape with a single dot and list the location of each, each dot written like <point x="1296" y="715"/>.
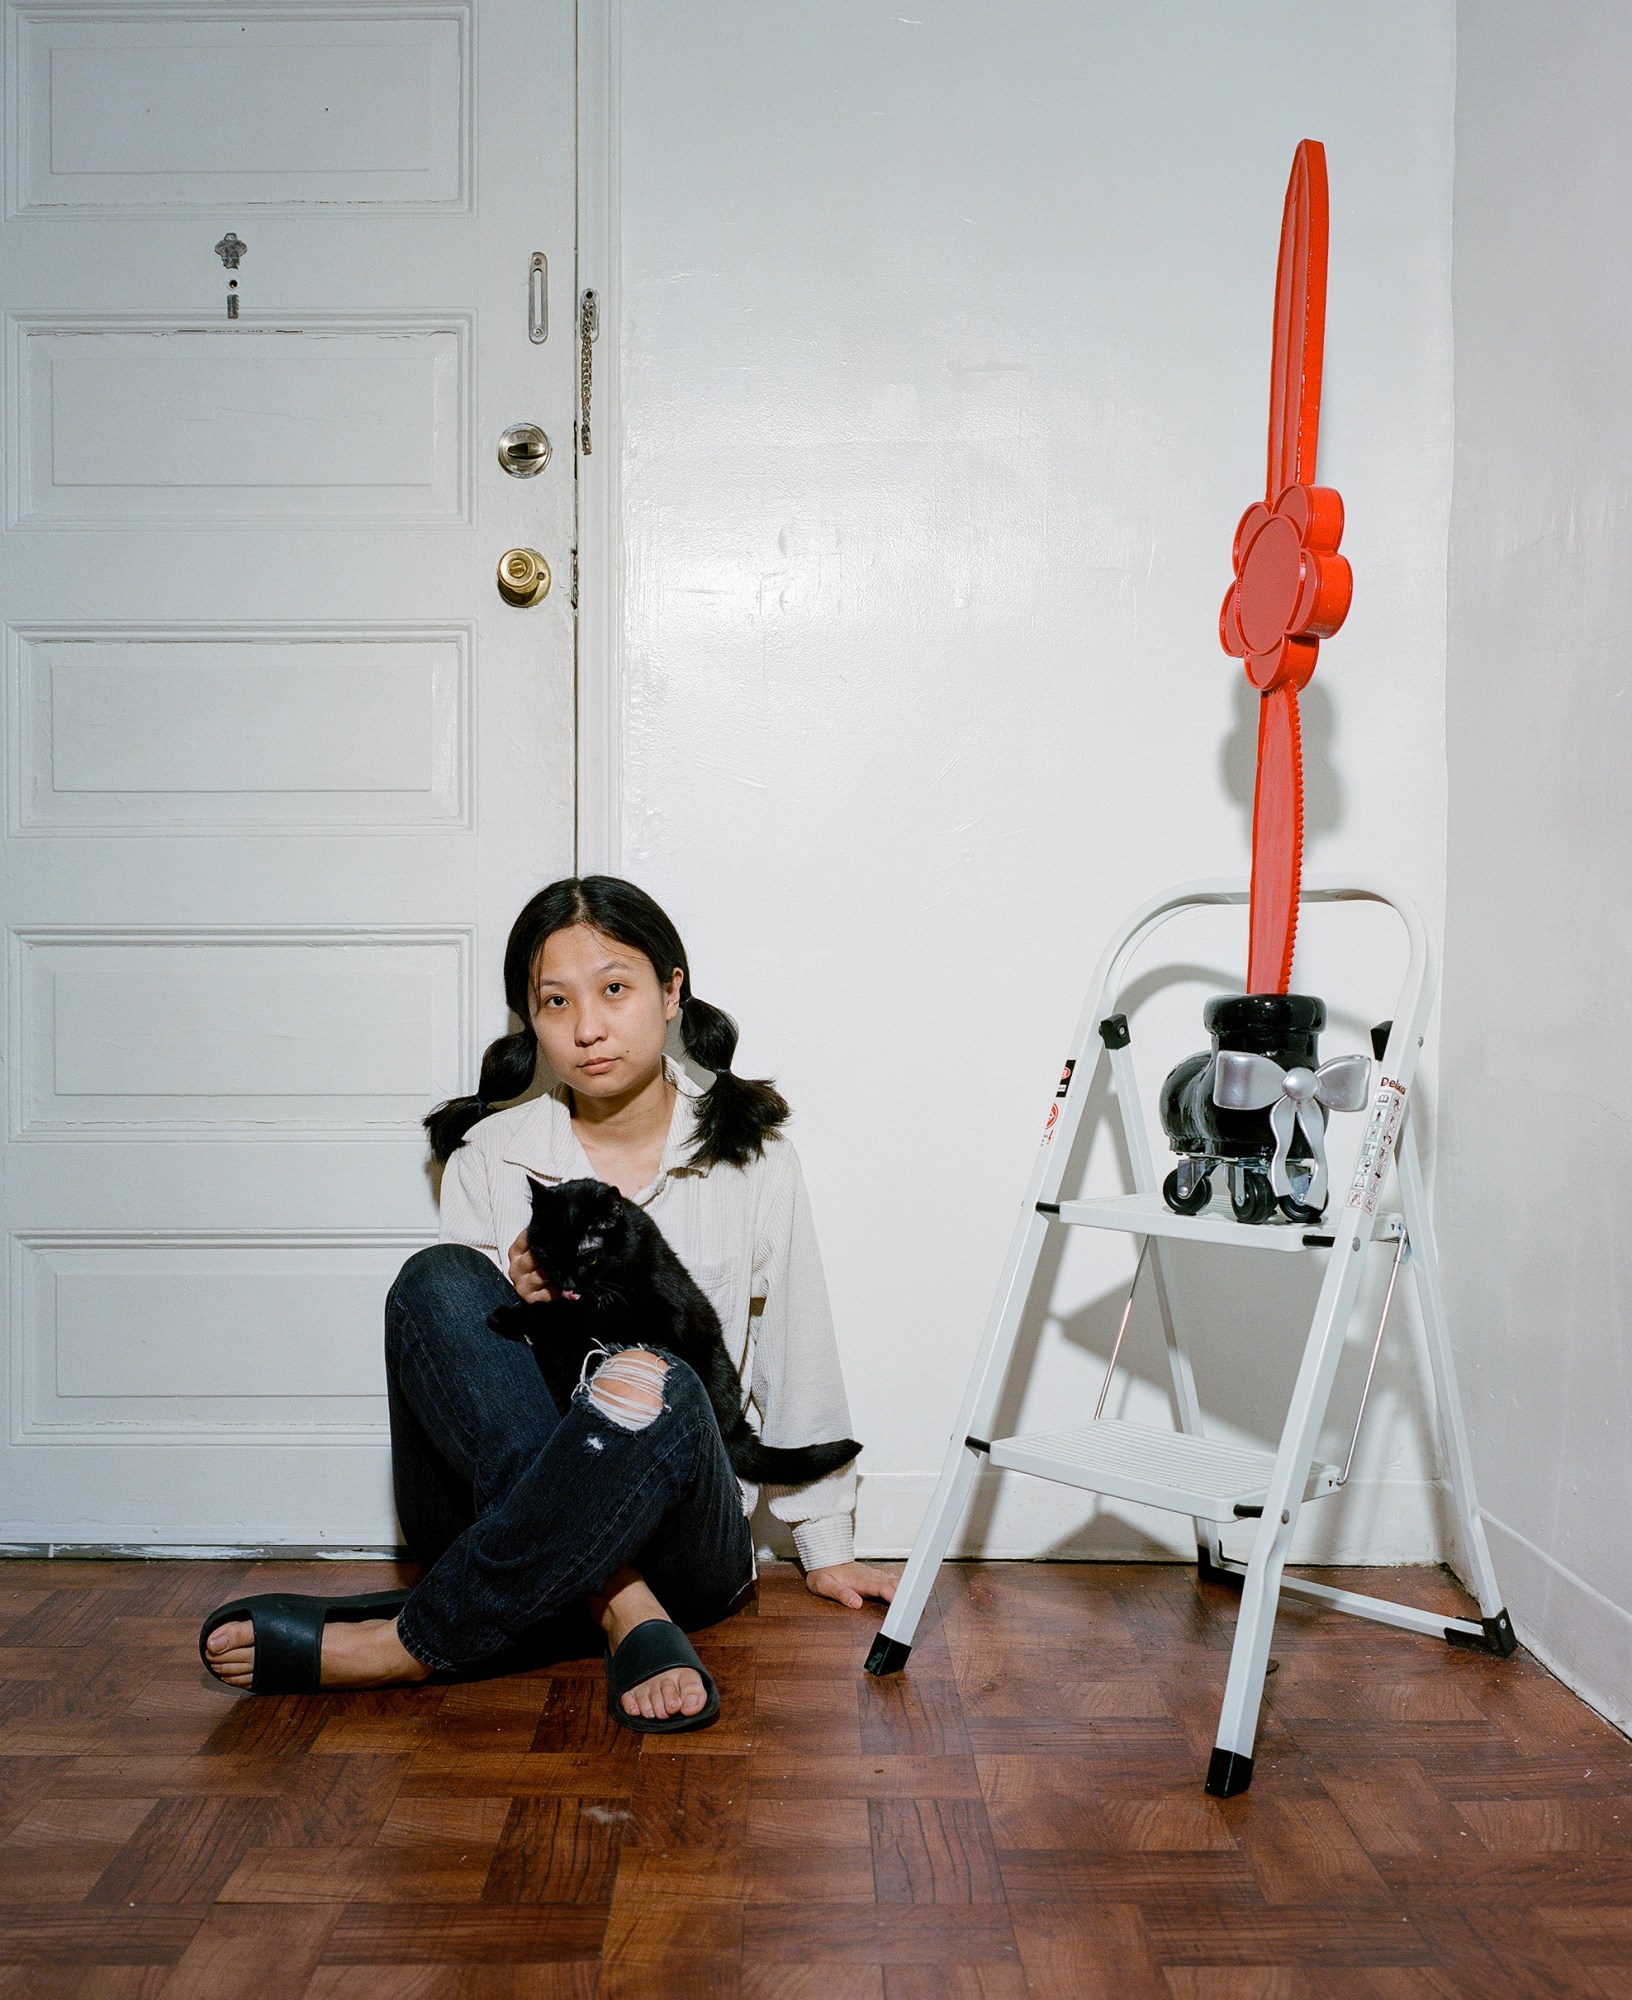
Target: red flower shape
<point x="1291" y="588"/>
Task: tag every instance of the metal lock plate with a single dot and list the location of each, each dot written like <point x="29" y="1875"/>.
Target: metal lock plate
<point x="524" y="576"/>
<point x="524" y="450"/>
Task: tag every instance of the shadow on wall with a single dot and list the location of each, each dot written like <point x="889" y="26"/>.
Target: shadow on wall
<point x="1323" y="801"/>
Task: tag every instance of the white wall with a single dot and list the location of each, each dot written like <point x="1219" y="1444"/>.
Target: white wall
<point x="1534" y="1183"/>
<point x="946" y="350"/>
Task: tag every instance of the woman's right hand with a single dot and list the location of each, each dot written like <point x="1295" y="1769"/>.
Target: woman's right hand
<point x="531" y="1289"/>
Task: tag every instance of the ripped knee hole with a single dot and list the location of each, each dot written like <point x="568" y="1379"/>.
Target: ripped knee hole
<point x="628" y="1388"/>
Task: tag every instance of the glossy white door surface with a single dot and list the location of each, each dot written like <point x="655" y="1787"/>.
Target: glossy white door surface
<point x="281" y="766"/>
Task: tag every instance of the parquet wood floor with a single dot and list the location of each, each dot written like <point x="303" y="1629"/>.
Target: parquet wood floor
<point x="1020" y="1814"/>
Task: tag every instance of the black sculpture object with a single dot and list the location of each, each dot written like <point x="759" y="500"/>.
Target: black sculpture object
<point x="1256" y="1104"/>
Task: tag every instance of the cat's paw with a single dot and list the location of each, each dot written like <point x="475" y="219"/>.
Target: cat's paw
<point x="514" y="1322"/>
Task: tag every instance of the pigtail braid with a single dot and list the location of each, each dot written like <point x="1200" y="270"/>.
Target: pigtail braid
<point x="737" y="1113"/>
<point x="507" y="1071"/>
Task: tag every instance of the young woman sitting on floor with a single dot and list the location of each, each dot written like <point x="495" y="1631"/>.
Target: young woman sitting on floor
<point x="624" y="1503"/>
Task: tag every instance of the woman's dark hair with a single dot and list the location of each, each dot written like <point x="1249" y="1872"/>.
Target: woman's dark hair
<point x="735" y="1114"/>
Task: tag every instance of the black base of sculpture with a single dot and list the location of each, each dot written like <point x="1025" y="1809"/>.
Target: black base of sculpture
<point x="1286" y="1028"/>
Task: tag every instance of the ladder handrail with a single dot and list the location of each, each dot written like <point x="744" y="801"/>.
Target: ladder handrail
<point x="1416" y="988"/>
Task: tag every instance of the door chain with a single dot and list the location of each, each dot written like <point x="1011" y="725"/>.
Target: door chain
<point x="589" y="327"/>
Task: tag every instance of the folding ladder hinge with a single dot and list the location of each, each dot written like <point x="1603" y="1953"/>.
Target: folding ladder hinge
<point x="1499" y="1637"/>
<point x="1113" y="1031"/>
<point x="977" y="1444"/>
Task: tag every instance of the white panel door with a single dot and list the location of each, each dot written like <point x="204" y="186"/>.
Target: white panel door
<point x="280" y="764"/>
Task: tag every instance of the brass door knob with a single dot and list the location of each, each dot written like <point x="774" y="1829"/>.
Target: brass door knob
<point x="524" y="576"/>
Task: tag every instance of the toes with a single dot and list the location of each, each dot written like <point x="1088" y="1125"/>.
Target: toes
<point x="663" y="1694"/>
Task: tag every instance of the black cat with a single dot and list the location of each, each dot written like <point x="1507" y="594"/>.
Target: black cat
<point x="616" y="1280"/>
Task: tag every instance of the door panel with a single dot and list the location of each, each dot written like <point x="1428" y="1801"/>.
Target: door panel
<point x="197" y="427"/>
<point x="323" y="732"/>
<point x="281" y="766"/>
<point x="289" y="105"/>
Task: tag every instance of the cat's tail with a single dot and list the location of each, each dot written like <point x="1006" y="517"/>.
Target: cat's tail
<point x="786" y="1465"/>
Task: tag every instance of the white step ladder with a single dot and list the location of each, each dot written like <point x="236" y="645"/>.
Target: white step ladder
<point x="1184" y="1471"/>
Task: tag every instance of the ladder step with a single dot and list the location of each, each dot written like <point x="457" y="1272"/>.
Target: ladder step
<point x="1149" y="1215"/>
<point x="1187" y="1475"/>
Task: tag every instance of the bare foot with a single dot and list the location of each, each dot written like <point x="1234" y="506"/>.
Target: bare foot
<point x="628" y="1603"/>
<point x="357" y="1652"/>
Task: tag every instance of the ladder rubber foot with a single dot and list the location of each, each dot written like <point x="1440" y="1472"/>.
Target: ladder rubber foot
<point x="1499" y="1637"/>
<point x="1228" y="1774"/>
<point x="888" y="1656"/>
<point x="1211" y="1572"/>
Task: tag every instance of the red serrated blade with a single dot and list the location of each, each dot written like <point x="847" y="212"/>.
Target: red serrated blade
<point x="1277" y="844"/>
<point x="1300" y="324"/>
<point x="1291" y="587"/>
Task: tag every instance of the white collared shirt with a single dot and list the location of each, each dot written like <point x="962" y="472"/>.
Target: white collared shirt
<point x="746" y="1236"/>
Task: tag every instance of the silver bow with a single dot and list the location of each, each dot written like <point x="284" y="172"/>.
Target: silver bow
<point x="1297" y="1100"/>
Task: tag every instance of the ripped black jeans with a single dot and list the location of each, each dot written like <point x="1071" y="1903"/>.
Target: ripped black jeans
<point x="520" y="1509"/>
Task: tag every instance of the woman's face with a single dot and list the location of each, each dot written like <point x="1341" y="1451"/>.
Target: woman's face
<point x="600" y="1012"/>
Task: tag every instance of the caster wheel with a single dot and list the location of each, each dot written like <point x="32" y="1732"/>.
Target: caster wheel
<point x="1194" y="1202"/>
<point x="1297" y="1211"/>
<point x="1253" y="1200"/>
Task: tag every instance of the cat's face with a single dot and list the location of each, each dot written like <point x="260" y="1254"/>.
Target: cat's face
<point x="579" y="1230"/>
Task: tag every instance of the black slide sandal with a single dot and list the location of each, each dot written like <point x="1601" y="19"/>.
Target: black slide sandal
<point x="289" y="1634"/>
<point x="652" y="1646"/>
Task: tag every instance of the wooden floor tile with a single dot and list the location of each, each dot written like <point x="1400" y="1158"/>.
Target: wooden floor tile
<point x="933" y="1851"/>
<point x="693" y="1804"/>
<point x="271" y="1954"/>
<point x="675" y="1925"/>
<point x="912" y="1715"/>
<point x="572" y="1980"/>
<point x="331" y="1802"/>
<point x="1018" y="1813"/>
<point x="1240" y="1982"/>
<point x="766" y="1980"/>
<point x="462" y="1934"/>
<point x="555" y="1850"/>
<point x="820" y="1777"/>
<point x="1301" y="1850"/>
<point x="1088" y="1949"/>
<point x="452" y="1873"/>
<point x="891" y="1935"/>
<point x="86" y="1937"/>
<point x="793" y="1873"/>
<point x="83" y="1982"/>
<point x="443" y="1822"/>
<point x="184" y="1851"/>
<point x="955" y="1982"/>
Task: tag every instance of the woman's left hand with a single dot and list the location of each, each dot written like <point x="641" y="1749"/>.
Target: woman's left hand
<point x="848" y="1583"/>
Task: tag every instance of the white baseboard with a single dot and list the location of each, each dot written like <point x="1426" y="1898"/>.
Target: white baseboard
<point x="1573" y="1629"/>
<point x="199" y="1552"/>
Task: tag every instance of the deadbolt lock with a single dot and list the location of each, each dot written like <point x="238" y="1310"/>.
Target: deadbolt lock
<point x="524" y="576"/>
<point x="524" y="450"/>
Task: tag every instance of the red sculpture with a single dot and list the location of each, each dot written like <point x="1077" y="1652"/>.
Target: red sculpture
<point x="1291" y="587"/>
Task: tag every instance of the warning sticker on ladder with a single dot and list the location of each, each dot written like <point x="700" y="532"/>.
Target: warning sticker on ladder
<point x="1377" y="1147"/>
<point x="1054" y="1108"/>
